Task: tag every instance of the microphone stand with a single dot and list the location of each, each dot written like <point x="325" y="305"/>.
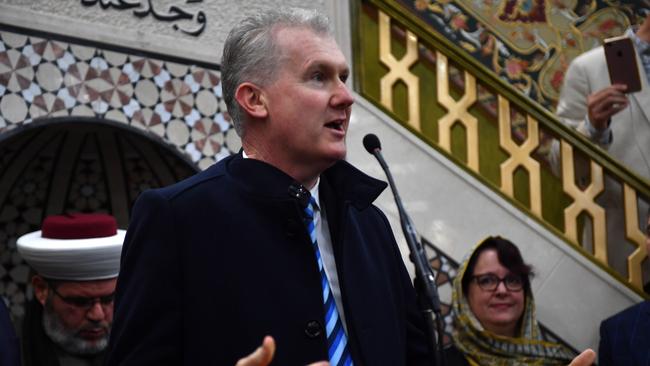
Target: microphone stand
<point x="425" y="283"/>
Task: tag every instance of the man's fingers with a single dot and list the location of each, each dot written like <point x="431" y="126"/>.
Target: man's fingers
<point x="606" y="98"/>
<point x="607" y="95"/>
<point x="611" y="107"/>
<point x="262" y="355"/>
<point x="586" y="358"/>
<point x="268" y="347"/>
<point x="616" y="89"/>
<point x="603" y="104"/>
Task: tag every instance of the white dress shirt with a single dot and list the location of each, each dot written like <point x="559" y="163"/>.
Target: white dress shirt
<point x="324" y="241"/>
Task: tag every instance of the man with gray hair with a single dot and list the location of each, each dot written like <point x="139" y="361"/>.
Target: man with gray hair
<point x="280" y="242"/>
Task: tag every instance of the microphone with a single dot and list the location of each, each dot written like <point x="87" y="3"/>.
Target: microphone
<point x="371" y="143"/>
<point x="424" y="278"/>
<point x="373" y="146"/>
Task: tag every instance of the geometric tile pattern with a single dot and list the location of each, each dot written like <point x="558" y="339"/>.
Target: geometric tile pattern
<point x="88" y="188"/>
<point x="181" y="103"/>
<point x="45" y="76"/>
<point x="445" y="270"/>
<point x="20" y="213"/>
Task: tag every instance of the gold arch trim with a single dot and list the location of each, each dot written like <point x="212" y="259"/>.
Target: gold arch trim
<point x="520" y="156"/>
<point x="584" y="200"/>
<point x="399" y="70"/>
<point x="458" y="111"/>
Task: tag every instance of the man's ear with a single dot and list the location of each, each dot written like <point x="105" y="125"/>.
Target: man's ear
<point x="251" y="99"/>
<point x="41" y="289"/>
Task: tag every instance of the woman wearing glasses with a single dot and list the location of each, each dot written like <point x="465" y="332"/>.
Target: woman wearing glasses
<point x="494" y="311"/>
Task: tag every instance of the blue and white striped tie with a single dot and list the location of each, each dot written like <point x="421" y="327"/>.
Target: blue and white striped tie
<point x="337" y="341"/>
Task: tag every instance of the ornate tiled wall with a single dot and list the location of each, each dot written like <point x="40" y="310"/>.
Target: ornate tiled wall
<point x="42" y="76"/>
<point x="180" y="102"/>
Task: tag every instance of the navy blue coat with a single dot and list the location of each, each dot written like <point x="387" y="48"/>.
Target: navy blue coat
<point x="212" y="264"/>
<point x="625" y="337"/>
<point x="9" y="346"/>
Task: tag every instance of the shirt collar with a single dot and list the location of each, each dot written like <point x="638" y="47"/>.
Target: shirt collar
<point x="314" y="193"/>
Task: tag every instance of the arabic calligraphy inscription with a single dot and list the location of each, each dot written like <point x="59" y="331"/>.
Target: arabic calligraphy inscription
<point x="143" y="8"/>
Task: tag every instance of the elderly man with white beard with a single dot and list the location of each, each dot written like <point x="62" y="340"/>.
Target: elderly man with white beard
<point x="75" y="258"/>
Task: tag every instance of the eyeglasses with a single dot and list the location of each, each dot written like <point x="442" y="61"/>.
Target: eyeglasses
<point x="490" y="282"/>
<point x="83" y="302"/>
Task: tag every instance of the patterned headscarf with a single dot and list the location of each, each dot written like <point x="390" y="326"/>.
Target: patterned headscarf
<point x="482" y="347"/>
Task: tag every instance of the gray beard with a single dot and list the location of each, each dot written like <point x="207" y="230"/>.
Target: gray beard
<point x="68" y="339"/>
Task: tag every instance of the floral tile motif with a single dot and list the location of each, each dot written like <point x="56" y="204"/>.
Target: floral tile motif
<point x="43" y="77"/>
<point x="207" y="137"/>
<point x="77" y="79"/>
<point x="117" y="89"/>
<point x="143" y="68"/>
<point x="149" y="120"/>
<point x="47" y="105"/>
<point x="16" y="71"/>
<point x="177" y="97"/>
<point x="206" y="78"/>
<point x="49" y="50"/>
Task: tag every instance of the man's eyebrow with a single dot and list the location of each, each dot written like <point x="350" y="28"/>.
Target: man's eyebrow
<point x="317" y="64"/>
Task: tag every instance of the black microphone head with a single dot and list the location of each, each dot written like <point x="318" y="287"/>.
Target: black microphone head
<point x="371" y="143"/>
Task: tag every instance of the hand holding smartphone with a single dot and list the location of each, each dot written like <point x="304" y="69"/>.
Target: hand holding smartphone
<point x="622" y="64"/>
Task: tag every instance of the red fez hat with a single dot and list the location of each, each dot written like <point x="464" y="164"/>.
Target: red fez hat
<point x="79" y="226"/>
<point x="77" y="247"/>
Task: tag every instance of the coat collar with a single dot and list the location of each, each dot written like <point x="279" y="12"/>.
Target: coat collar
<point x="350" y="184"/>
<point x="258" y="178"/>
